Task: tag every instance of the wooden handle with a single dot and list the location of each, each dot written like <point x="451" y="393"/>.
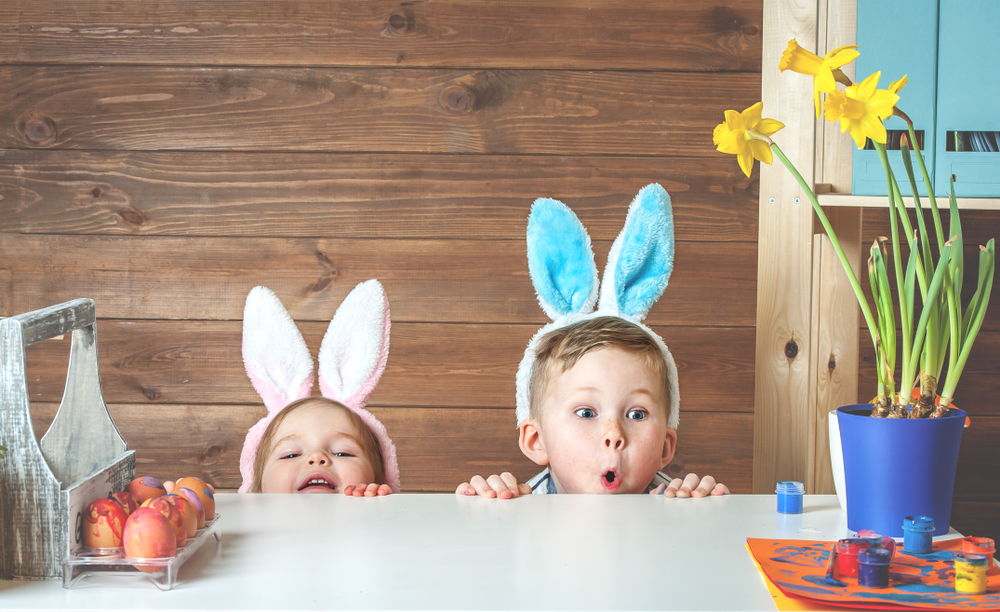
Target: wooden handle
<point x="56" y="320"/>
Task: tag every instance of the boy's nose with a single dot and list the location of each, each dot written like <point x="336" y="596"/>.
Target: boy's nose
<point x="613" y="437"/>
<point x="318" y="457"/>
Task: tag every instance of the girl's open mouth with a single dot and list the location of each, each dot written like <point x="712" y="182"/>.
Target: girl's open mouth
<point x="318" y="484"/>
<point x="610" y="480"/>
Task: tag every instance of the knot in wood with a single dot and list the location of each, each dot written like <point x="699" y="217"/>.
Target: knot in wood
<point x="399" y="23"/>
<point x="791" y="349"/>
<point x="457" y="98"/>
<point x="40" y="130"/>
<point x="131" y="215"/>
<point x="751" y="30"/>
<point x="832" y="363"/>
<point x="96" y="192"/>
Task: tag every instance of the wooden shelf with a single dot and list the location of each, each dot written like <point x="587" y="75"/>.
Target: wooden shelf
<point x="853" y="201"/>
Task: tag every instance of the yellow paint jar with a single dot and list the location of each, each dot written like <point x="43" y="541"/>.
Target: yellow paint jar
<point x="970" y="573"/>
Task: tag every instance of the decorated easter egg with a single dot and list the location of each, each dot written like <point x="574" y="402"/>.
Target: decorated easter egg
<point x="187" y="511"/>
<point x="145" y="487"/>
<point x="203" y="492"/>
<point x="148" y="535"/>
<point x="192" y="497"/>
<point x="126" y="500"/>
<point x="104" y="523"/>
<point x="169" y="509"/>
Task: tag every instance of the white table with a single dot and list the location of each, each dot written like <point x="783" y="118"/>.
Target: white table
<point x="553" y="552"/>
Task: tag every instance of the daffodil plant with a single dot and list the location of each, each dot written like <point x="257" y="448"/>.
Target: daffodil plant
<point x="940" y="328"/>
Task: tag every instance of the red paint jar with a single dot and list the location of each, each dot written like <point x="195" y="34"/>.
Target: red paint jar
<point x="847" y="555"/>
<point x="981" y="546"/>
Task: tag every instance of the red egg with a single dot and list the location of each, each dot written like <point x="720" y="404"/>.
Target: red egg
<point x="187" y="511"/>
<point x="145" y="487"/>
<point x="192" y="497"/>
<point x="204" y="493"/>
<point x="169" y="509"/>
<point x="148" y="535"/>
<point x="125" y="499"/>
<point x="104" y="523"/>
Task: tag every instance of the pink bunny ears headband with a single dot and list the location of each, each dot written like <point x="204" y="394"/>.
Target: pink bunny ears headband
<point x="352" y="358"/>
<point x="562" y="269"/>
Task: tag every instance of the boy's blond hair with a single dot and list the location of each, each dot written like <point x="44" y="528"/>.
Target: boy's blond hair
<point x="369" y="445"/>
<point x="567" y="345"/>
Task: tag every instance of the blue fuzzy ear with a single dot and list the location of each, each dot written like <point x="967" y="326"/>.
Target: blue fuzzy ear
<point x="642" y="256"/>
<point x="560" y="259"/>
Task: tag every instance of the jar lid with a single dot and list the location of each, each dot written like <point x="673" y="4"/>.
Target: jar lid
<point x="790" y="487"/>
<point x="852" y="545"/>
<point x="918" y="523"/>
<point x="874" y="556"/>
<point x="971" y="559"/>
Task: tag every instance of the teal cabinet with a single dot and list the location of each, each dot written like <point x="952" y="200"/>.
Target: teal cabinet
<point x="948" y="51"/>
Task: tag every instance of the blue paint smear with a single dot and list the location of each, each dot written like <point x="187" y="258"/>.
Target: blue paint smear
<point x="919" y="587"/>
<point x="821" y="581"/>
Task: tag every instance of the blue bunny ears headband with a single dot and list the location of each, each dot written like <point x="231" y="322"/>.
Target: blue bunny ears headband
<point x="562" y="269"/>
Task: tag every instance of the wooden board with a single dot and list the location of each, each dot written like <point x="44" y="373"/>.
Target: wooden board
<point x="427" y="280"/>
<point x="438" y="448"/>
<point x="430" y="365"/>
<point x="358" y="195"/>
<point x="368" y="110"/>
<point x="575" y="34"/>
<point x="977" y="519"/>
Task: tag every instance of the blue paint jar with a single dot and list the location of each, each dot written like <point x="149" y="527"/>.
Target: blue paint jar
<point x="789" y="496"/>
<point x="917" y="533"/>
<point x="873" y="568"/>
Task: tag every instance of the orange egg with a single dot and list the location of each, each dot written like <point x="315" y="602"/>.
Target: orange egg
<point x="192" y="497"/>
<point x="203" y="492"/>
<point x="104" y="523"/>
<point x="187" y="511"/>
<point x="145" y="487"/>
<point x="125" y="499"/>
<point x="148" y="535"/>
<point x="169" y="509"/>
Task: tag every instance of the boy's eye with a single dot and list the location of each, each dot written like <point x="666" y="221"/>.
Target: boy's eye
<point x="636" y="415"/>
<point x="586" y="413"/>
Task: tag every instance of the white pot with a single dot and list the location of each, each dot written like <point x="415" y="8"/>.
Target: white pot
<point x="837" y="459"/>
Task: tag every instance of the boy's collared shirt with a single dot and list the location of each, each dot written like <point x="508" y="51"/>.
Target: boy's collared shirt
<point x="542" y="483"/>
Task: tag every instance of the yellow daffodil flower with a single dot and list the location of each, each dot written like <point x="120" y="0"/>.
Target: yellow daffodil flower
<point x="736" y="136"/>
<point x="897" y="86"/>
<point x="797" y="59"/>
<point x="861" y="108"/>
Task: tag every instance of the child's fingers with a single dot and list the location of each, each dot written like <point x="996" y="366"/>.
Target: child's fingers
<point x="384" y="489"/>
<point x="720" y="489"/>
<point x="349" y="490"/>
<point x="511" y="482"/>
<point x="523" y="489"/>
<point x="705" y="487"/>
<point x="371" y="490"/>
<point x="502" y="489"/>
<point x="659" y="489"/>
<point x="481" y="487"/>
<point x="465" y="489"/>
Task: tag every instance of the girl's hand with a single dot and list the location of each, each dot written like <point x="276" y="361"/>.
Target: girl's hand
<point x="367" y="490"/>
<point x="503" y="486"/>
<point x="691" y="487"/>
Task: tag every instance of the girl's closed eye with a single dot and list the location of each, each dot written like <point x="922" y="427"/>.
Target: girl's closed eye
<point x="585" y="413"/>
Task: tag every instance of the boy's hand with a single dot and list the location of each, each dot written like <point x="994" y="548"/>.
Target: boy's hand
<point x="690" y="487"/>
<point x="503" y="486"/>
<point x="367" y="490"/>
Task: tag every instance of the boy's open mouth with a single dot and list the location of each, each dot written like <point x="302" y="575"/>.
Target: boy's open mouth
<point x="317" y="484"/>
<point x="610" y="480"/>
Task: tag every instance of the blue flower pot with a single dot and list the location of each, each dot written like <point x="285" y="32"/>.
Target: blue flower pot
<point x="894" y="468"/>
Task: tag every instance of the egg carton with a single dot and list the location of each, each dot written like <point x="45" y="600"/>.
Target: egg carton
<point x="113" y="562"/>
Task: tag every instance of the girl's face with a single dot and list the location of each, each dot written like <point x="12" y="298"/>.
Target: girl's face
<point x="316" y="450"/>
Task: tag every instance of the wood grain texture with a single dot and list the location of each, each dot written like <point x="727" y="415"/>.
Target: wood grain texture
<point x="374" y="110"/>
<point x="430" y="365"/>
<point x="977" y="519"/>
<point x="783" y="417"/>
<point x="977" y="387"/>
<point x="574" y="34"/>
<point x="427" y="280"/>
<point x="8" y="31"/>
<point x="837" y="25"/>
<point x="358" y="195"/>
<point x="437" y="448"/>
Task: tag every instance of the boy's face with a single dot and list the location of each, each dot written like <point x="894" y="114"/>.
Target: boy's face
<point x="602" y="425"/>
<point x="316" y="450"/>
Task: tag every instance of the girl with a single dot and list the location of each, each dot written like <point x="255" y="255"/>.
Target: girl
<point x="327" y="444"/>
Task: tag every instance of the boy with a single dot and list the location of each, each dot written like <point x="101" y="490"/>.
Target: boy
<point x="599" y="401"/>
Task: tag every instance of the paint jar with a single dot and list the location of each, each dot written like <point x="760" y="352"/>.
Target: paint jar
<point x="847" y="555"/>
<point x="970" y="573"/>
<point x="878" y="541"/>
<point x="790" y="496"/>
<point x="873" y="568"/>
<point x="982" y="546"/>
<point x="917" y="532"/>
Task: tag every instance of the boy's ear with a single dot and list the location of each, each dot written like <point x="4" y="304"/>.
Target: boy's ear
<point x="530" y="440"/>
<point x="669" y="447"/>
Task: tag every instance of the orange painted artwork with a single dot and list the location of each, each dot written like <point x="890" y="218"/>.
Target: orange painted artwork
<point x="916" y="582"/>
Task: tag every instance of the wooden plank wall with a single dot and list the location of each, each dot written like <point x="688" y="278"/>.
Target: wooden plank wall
<point x="164" y="158"/>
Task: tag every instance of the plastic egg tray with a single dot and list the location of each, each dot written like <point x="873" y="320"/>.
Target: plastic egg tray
<point x="113" y="562"/>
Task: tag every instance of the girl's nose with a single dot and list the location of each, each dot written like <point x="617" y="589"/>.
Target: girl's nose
<point x="318" y="457"/>
<point x="613" y="436"/>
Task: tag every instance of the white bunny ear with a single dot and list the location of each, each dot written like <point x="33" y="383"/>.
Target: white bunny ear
<point x="642" y="256"/>
<point x="355" y="348"/>
<point x="275" y="355"/>
<point x="560" y="259"/>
